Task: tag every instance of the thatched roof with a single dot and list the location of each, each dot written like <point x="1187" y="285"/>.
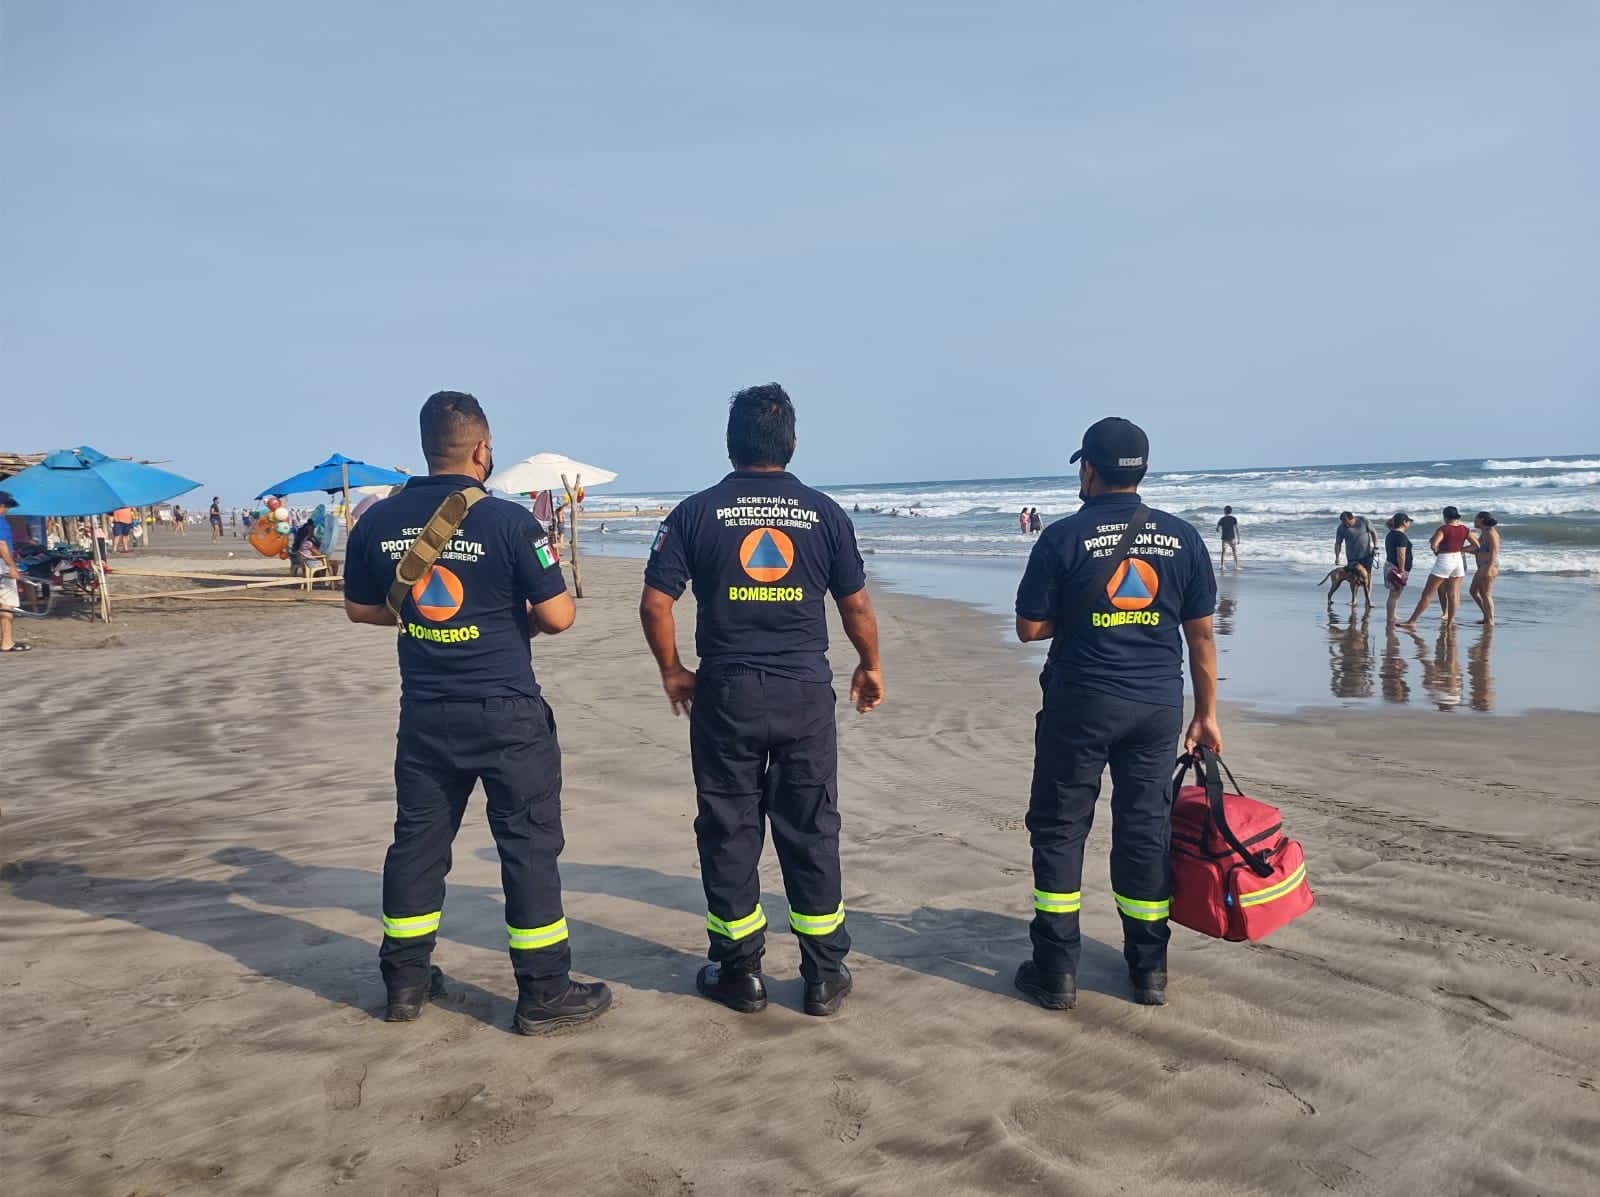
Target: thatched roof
<point x="15" y="463"/>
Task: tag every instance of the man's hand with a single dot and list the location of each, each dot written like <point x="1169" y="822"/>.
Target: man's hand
<point x="679" y="682"/>
<point x="866" y="689"/>
<point x="1203" y="730"/>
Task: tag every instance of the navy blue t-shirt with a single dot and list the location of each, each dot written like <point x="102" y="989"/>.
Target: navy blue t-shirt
<point x="464" y="627"/>
<point x="762" y="551"/>
<point x="1128" y="640"/>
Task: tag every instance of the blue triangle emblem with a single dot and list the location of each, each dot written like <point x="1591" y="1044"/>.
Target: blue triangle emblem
<point x="767" y="555"/>
<point x="436" y="593"/>
<point x="1133" y="586"/>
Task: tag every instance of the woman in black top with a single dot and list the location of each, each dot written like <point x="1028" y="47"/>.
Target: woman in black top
<point x="1397" y="554"/>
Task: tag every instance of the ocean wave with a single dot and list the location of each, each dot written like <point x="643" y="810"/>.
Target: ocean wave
<point x="1544" y="463"/>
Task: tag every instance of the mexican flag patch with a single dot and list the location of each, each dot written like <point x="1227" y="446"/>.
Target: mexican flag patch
<point x="546" y="554"/>
<point x="661" y="538"/>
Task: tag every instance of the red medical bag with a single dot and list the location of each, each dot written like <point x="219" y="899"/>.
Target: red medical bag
<point x="1235" y="875"/>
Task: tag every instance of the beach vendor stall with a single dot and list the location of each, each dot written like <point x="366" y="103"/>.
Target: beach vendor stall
<point x="338" y="475"/>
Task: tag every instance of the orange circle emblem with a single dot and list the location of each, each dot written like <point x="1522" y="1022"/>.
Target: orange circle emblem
<point x="1134" y="586"/>
<point x="767" y="554"/>
<point x="439" y="595"/>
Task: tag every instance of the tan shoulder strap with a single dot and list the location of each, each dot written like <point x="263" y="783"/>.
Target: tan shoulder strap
<point x="436" y="533"/>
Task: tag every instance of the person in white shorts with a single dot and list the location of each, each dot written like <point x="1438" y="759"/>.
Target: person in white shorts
<point x="1448" y="543"/>
<point x="10" y="571"/>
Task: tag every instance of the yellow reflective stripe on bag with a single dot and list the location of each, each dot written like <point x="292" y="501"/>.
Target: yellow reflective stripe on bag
<point x="817" y="924"/>
<point x="525" y="938"/>
<point x="1145" y="912"/>
<point x="1048" y="903"/>
<point x="412" y="925"/>
<point x="737" y="929"/>
<point x="1282" y="890"/>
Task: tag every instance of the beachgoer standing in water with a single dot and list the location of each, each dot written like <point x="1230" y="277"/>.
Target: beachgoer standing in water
<point x="1487" y="556"/>
<point x="1022" y="521"/>
<point x="762" y="735"/>
<point x="1035" y="524"/>
<point x="470" y="712"/>
<point x="1357" y="541"/>
<point x="1397" y="557"/>
<point x="1448" y="542"/>
<point x="1228" y="528"/>
<point x="1113" y="693"/>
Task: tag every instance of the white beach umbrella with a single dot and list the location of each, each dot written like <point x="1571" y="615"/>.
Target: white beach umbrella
<point x="547" y="471"/>
<point x="553" y="471"/>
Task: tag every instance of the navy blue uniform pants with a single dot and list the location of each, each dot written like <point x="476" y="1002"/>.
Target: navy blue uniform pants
<point x="765" y="748"/>
<point x="1077" y="735"/>
<point x="443" y="749"/>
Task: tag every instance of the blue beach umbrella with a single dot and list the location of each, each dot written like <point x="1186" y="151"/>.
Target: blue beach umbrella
<point x="337" y="473"/>
<point x="84" y="481"/>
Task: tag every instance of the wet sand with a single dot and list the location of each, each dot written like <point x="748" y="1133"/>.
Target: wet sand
<point x="197" y="806"/>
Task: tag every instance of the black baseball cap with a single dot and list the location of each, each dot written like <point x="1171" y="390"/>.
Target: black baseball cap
<point x="6" y="499"/>
<point x="1114" y="445"/>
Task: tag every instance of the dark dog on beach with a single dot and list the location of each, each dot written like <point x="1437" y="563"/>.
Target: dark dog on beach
<point x="1357" y="577"/>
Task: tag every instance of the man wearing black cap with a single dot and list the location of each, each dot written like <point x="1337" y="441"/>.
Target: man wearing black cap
<point x="1110" y="587"/>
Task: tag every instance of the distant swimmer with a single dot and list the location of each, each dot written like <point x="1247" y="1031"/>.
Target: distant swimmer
<point x="484" y="579"/>
<point x="1228" y="528"/>
<point x="1118" y="589"/>
<point x="762" y="551"/>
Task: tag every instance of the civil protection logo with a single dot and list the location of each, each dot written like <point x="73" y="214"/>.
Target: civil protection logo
<point x="439" y="595"/>
<point x="1134" y="586"/>
<point x="767" y="554"/>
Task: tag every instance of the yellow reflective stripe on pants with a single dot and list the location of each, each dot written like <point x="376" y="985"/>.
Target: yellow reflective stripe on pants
<point x="1048" y="903"/>
<point x="817" y="924"/>
<point x="537" y="937"/>
<point x="412" y="925"/>
<point x="737" y="929"/>
<point x="1145" y="912"/>
<point x="1282" y="889"/>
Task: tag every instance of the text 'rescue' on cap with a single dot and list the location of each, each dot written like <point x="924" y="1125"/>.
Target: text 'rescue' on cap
<point x="1114" y="444"/>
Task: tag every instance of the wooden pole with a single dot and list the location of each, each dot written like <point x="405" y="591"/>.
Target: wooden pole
<point x="100" y="572"/>
<point x="572" y="505"/>
<point x="344" y="475"/>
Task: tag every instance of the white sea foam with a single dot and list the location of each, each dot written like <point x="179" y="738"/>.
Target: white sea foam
<point x="1544" y="463"/>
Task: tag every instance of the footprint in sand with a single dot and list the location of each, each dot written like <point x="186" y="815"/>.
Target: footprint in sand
<point x="342" y="1086"/>
<point x="849" y="1106"/>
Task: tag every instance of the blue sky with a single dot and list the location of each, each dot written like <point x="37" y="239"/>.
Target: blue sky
<point x="240" y="236"/>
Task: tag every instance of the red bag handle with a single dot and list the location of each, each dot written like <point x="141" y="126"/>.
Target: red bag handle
<point x="1213" y="766"/>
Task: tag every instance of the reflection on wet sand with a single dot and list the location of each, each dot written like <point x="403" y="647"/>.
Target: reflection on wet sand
<point x="1441" y="668"/>
<point x="1350" y="656"/>
<point x="1227" y="604"/>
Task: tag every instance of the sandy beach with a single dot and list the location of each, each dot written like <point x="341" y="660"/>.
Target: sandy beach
<point x="196" y="806"/>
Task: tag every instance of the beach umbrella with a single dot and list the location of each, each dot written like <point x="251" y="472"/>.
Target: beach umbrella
<point x="84" y="481"/>
<point x="338" y="473"/>
<point x="547" y="471"/>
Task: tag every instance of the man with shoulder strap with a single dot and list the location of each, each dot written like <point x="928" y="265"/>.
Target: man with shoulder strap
<point x="469" y="579"/>
<point x="1117" y="588"/>
<point x="763" y="552"/>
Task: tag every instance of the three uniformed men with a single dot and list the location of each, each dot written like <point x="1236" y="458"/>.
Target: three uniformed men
<point x="1113" y="694"/>
<point x="1118" y="589"/>
<point x="763" y="551"/>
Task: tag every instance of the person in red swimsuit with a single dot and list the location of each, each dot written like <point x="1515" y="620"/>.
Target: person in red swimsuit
<point x="1449" y="567"/>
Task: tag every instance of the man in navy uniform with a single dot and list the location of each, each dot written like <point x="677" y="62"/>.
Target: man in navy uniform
<point x="1113" y="694"/>
<point x="761" y="550"/>
<point x="470" y="711"/>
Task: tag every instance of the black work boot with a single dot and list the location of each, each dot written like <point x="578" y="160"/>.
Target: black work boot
<point x="1053" y="991"/>
<point x="583" y="1001"/>
<point x="825" y="997"/>
<point x="1149" y="986"/>
<point x="406" y="1001"/>
<point x="738" y="989"/>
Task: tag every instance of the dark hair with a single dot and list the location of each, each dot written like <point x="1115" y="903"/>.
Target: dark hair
<point x="1451" y="513"/>
<point x="1345" y="515"/>
<point x="761" y="427"/>
<point x="452" y="423"/>
<point x="1486" y="519"/>
<point x="1397" y="519"/>
<point x="1227" y="510"/>
<point x="7" y="499"/>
